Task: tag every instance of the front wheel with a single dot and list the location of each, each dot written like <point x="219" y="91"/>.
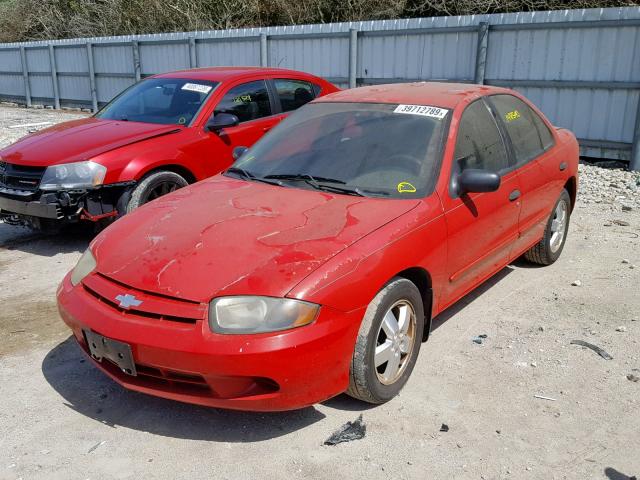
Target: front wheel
<point x="388" y="342"/>
<point x="153" y="186"/>
<point x="548" y="250"/>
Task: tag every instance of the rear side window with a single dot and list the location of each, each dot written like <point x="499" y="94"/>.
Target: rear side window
<point x="293" y="93"/>
<point x="479" y="144"/>
<point x="248" y="101"/>
<point x="528" y="133"/>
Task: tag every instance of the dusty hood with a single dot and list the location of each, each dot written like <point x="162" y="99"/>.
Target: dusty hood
<point x="79" y="140"/>
<point x="225" y="236"/>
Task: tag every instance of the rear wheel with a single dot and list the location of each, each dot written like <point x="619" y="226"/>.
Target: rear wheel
<point x="548" y="250"/>
<point x="155" y="185"/>
<point x="388" y="342"/>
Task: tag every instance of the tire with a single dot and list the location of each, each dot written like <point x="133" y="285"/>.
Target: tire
<point x="548" y="250"/>
<point x="154" y="186"/>
<point x="379" y="384"/>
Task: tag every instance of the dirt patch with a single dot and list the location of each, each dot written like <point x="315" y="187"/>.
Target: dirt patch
<point x="28" y="323"/>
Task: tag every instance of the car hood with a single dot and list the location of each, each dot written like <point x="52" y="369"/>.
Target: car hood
<point x="79" y="140"/>
<point x="226" y="237"/>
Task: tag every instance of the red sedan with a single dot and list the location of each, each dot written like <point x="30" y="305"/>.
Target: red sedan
<point x="315" y="264"/>
<point x="161" y="134"/>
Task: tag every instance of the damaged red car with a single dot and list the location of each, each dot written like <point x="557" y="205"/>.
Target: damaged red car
<point x="316" y="263"/>
<point x="161" y="134"/>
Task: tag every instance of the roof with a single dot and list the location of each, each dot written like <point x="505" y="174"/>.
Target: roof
<point x="221" y="74"/>
<point x="438" y="94"/>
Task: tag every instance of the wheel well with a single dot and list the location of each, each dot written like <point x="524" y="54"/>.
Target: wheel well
<point x="180" y="170"/>
<point x="421" y="279"/>
<point x="571" y="187"/>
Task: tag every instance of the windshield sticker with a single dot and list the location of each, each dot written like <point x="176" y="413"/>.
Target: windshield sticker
<point x="182" y="121"/>
<point x="196" y="87"/>
<point x="424" y="110"/>
<point x="511" y="116"/>
<point x="406" y="187"/>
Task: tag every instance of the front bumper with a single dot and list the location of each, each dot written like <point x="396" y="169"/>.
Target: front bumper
<point x="64" y="206"/>
<point x="189" y="363"/>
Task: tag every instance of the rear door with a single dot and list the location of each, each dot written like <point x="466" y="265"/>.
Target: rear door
<point x="481" y="226"/>
<point x="532" y="144"/>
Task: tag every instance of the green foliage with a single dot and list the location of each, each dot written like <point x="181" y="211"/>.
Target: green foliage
<point x="22" y="20"/>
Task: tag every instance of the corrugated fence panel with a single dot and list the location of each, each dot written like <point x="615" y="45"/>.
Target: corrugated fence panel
<point x="430" y="56"/>
<point x="327" y="57"/>
<point x="581" y="67"/>
<point x="10" y="61"/>
<point x="113" y="58"/>
<point x="228" y="53"/>
<point x="163" y="57"/>
<point x="12" y="83"/>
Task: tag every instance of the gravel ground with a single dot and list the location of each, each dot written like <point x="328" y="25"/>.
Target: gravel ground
<point x="62" y="419"/>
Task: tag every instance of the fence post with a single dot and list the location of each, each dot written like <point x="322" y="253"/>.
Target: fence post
<point x="136" y="59"/>
<point x="264" y="52"/>
<point x="193" y="58"/>
<point x="54" y="77"/>
<point x="92" y="78"/>
<point x="481" y="54"/>
<point x="25" y="76"/>
<point x="353" y="57"/>
<point x="634" y="163"/>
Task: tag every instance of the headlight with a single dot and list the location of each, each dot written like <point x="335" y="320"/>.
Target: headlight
<point x="84" y="267"/>
<point x="73" y="175"/>
<point x="259" y="314"/>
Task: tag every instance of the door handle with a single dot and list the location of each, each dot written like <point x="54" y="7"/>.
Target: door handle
<point x="563" y="166"/>
<point x="513" y="196"/>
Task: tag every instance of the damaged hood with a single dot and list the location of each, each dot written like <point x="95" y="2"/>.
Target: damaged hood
<point x="79" y="140"/>
<point x="227" y="237"/>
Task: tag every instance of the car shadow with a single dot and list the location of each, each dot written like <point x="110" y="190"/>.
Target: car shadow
<point x="470" y="297"/>
<point x="613" y="474"/>
<point x="72" y="239"/>
<point x="89" y="392"/>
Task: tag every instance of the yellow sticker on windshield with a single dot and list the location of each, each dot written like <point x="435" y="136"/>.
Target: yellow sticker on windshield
<point x="511" y="116"/>
<point x="406" y="187"/>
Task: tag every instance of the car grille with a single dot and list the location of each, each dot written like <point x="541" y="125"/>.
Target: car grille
<point x="153" y="306"/>
<point x="20" y="177"/>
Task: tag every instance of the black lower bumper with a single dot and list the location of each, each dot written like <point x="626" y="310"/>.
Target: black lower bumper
<point x="31" y="209"/>
<point x="66" y="206"/>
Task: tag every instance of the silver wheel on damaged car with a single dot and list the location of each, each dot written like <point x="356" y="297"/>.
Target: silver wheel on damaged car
<point x="388" y="342"/>
<point x="549" y="248"/>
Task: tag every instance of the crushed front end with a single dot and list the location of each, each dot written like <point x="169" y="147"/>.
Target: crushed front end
<point x="23" y="202"/>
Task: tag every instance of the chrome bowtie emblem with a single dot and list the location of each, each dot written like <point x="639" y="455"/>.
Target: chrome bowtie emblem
<point x="127" y="301"/>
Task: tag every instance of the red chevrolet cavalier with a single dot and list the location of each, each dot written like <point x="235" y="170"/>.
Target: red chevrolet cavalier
<point x="161" y="134"/>
<point x="315" y="264"/>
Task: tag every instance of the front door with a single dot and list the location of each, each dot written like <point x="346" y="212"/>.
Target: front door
<point x="254" y="107"/>
<point x="481" y="226"/>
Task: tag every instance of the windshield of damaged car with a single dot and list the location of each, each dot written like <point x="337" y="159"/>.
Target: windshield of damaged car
<point x="165" y="101"/>
<point x="365" y="149"/>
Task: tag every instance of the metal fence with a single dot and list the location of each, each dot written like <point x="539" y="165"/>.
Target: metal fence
<point x="581" y="67"/>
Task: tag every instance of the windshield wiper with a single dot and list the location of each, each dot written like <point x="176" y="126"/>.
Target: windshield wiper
<point x="320" y="183"/>
<point x="305" y="176"/>
<point x="247" y="175"/>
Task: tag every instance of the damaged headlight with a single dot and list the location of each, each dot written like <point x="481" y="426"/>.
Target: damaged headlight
<point x="73" y="175"/>
<point x="249" y="314"/>
<point x="84" y="267"/>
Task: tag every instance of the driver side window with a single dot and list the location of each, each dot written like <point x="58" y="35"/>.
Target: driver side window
<point x="479" y="144"/>
<point x="248" y="101"/>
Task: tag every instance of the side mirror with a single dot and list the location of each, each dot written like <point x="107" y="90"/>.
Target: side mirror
<point x="476" y="181"/>
<point x="220" y="121"/>
<point x="239" y="151"/>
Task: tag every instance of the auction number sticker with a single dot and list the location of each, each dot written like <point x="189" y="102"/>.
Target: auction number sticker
<point x="197" y="87"/>
<point x="424" y="110"/>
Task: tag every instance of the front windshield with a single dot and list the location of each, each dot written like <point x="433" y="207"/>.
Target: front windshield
<point x="367" y="149"/>
<point x="166" y="101"/>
